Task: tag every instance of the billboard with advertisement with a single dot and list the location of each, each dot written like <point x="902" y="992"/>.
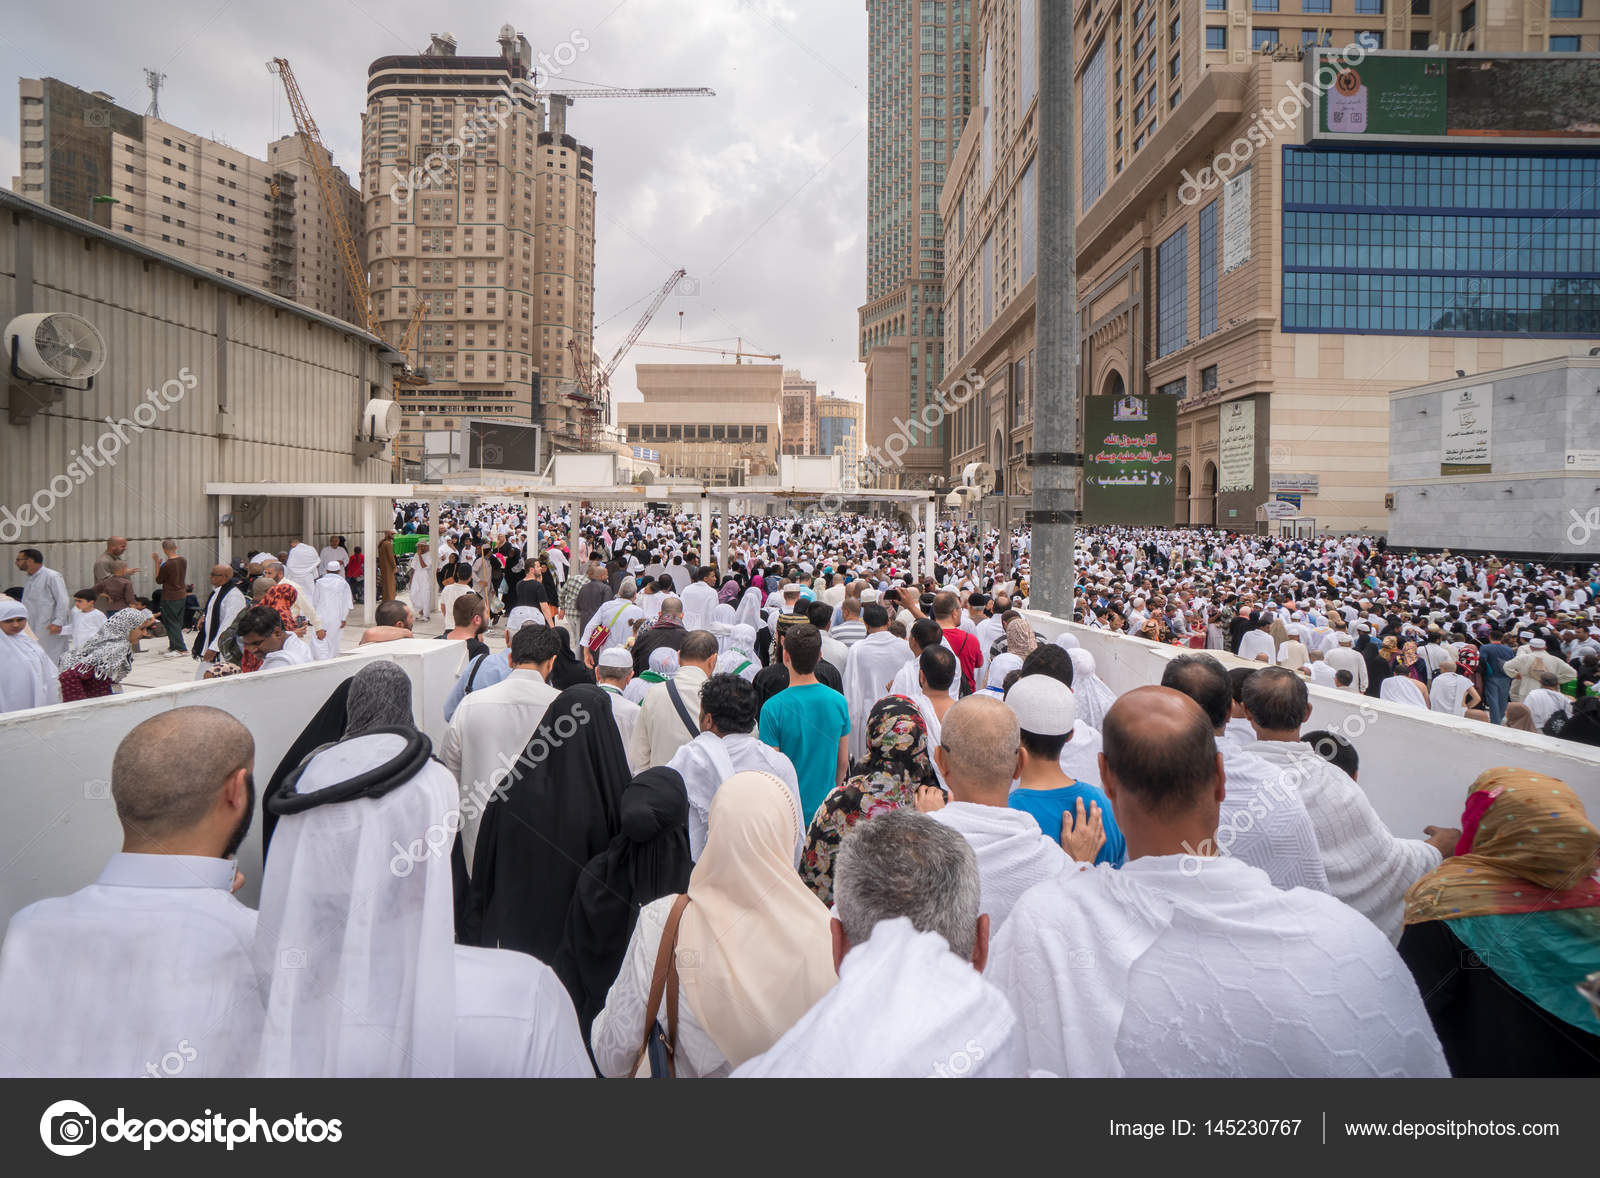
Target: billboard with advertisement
<point x="1129" y="463"/>
<point x="1421" y="96"/>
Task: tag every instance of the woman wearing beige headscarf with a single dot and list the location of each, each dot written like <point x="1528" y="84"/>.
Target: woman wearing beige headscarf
<point x="754" y="950"/>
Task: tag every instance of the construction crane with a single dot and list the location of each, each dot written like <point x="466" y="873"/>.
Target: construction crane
<point x="318" y="155"/>
<point x="594" y="387"/>
<point x="737" y="352"/>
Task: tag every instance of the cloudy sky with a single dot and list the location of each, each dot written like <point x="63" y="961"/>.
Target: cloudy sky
<point x="759" y="192"/>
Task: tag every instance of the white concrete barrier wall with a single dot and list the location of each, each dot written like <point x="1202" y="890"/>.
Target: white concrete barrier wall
<point x="1415" y="765"/>
<point x="57" y="822"/>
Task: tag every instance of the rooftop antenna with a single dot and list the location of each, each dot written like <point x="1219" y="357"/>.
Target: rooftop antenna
<point x="153" y="79"/>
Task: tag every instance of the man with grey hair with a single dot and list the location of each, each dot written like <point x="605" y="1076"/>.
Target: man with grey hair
<point x="909" y="943"/>
<point x="980" y="755"/>
<point x="147" y="971"/>
<point x="593" y="595"/>
<point x="617" y="616"/>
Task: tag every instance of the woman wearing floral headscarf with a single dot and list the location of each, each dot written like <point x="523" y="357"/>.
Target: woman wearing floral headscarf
<point x="1500" y="935"/>
<point x="105" y="659"/>
<point x="280" y="597"/>
<point x="895" y="767"/>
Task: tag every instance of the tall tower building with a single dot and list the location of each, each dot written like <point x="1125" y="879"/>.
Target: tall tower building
<point x="919" y="92"/>
<point x="191" y="196"/>
<point x="479" y="204"/>
<point x="799" y="413"/>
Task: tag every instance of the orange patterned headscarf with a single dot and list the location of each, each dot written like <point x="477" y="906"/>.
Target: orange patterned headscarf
<point x="1526" y="846"/>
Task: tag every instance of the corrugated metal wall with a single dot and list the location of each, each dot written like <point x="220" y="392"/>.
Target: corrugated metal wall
<point x="295" y="389"/>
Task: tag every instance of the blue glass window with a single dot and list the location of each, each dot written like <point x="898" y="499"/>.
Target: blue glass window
<point x="1565" y="44"/>
<point x="1172" y="292"/>
<point x="1263" y="38"/>
<point x="1424" y="242"/>
<point x="1094" y="125"/>
<point x="1208" y="269"/>
<point x="1566" y="9"/>
<point x="1216" y="37"/>
<point x="1369" y="7"/>
<point x="1315" y="6"/>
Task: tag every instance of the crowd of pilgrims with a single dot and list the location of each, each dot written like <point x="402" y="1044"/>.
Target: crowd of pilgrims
<point x="815" y="815"/>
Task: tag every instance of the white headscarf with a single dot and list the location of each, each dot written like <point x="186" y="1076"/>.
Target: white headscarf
<point x="664" y="661"/>
<point x="1089" y="691"/>
<point x="357" y="957"/>
<point x="749" y="611"/>
<point x="303" y="566"/>
<point x="759" y="936"/>
<point x="27" y="676"/>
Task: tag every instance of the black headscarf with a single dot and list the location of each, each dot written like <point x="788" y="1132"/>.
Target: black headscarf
<point x="568" y="670"/>
<point x="326" y="727"/>
<point x="648" y="860"/>
<point x="559" y="808"/>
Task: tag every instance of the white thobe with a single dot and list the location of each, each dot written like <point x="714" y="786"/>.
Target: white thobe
<point x="514" y="1018"/>
<point x="45" y="597"/>
<point x="660" y="731"/>
<point x="83" y="625"/>
<point x="1544" y="703"/>
<point x="485" y="739"/>
<point x="1080" y="756"/>
<point x="1343" y="658"/>
<point x="624" y="711"/>
<point x="293" y="653"/>
<point x="146" y="968"/>
<point x="331" y="595"/>
<point x="1367" y="867"/>
<point x="1159" y="969"/>
<point x="708" y="760"/>
<point x="933" y="1015"/>
<point x="870" y="666"/>
<point x="1322" y="674"/>
<point x="618" y="617"/>
<point x="1013" y="853"/>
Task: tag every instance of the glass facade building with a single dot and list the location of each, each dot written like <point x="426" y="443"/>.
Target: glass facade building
<point x="1172" y="292"/>
<point x="1420" y="242"/>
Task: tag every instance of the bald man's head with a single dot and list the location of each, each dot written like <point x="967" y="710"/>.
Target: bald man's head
<point x="1160" y="751"/>
<point x="979" y="739"/>
<point x="168" y="773"/>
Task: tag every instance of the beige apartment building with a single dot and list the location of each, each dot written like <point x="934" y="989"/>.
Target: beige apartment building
<point x="479" y="204"/>
<point x="720" y="424"/>
<point x="1284" y="305"/>
<point x="196" y="198"/>
<point x="919" y="67"/>
<point x="799" y="413"/>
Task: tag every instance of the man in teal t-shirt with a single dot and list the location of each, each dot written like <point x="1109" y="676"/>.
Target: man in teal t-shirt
<point x="808" y="722"/>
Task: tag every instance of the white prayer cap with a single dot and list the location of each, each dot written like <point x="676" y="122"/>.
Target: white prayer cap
<point x="1043" y="705"/>
<point x="333" y="566"/>
<point x="868" y="596"/>
<point x="1342" y="638"/>
<point x="524" y="615"/>
<point x="617" y="657"/>
<point x="1537" y="644"/>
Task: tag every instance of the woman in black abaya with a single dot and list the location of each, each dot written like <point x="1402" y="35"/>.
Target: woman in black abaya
<point x="559" y="808"/>
<point x="647" y="860"/>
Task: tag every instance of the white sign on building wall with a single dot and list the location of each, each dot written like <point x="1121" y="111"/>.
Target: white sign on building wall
<point x="1236" y="222"/>
<point x="1467" y="430"/>
<point x="1236" y="447"/>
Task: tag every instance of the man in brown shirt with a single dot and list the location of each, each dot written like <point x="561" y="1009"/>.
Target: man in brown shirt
<point x="172" y="578"/>
<point x="115" y="589"/>
<point x="115" y="547"/>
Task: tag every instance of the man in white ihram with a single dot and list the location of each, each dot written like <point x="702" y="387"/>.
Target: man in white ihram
<point x="979" y="756"/>
<point x="331" y="595"/>
<point x="869" y="668"/>
<point x="1367" y="867"/>
<point x="729" y="714"/>
<point x="1158" y="969"/>
<point x="147" y="969"/>
<point x="491" y="728"/>
<point x="1262" y="820"/>
<point x="910" y="945"/>
<point x="355" y="946"/>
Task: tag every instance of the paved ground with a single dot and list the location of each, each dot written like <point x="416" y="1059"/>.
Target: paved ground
<point x="152" y="670"/>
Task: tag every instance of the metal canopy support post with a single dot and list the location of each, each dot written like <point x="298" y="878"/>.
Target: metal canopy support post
<point x="916" y="548"/>
<point x="1055" y="428"/>
<point x="308" y="521"/>
<point x="928" y="538"/>
<point x="369" y="559"/>
<point x="705" y="529"/>
<point x="224" y="529"/>
<point x="573" y="524"/>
